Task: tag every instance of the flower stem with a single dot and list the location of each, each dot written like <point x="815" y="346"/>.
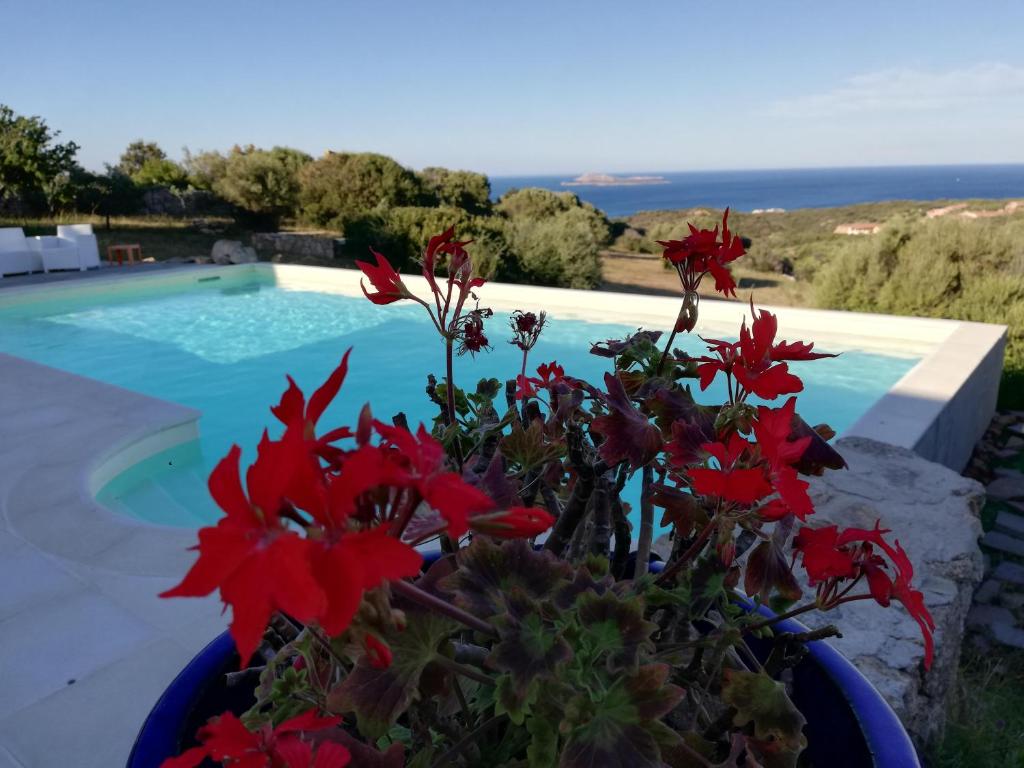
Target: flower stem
<point x="410" y="591"/>
<point x="450" y="380"/>
<point x="469" y="738"/>
<point x="664" y="354"/>
<point x="802" y="609"/>
<point x="464" y="670"/>
<point x="450" y="392"/>
<point x="643" y="548"/>
<point x="690" y="553"/>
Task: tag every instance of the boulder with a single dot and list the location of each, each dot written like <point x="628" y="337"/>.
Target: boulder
<point x="935" y="513"/>
<point x="232" y="252"/>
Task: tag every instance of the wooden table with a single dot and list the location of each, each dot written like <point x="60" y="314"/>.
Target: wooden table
<point x="132" y="251"/>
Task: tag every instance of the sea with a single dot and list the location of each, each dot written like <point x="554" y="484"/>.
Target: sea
<point x="787" y="189"/>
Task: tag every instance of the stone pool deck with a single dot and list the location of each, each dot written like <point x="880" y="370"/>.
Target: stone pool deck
<point x="86" y="647"/>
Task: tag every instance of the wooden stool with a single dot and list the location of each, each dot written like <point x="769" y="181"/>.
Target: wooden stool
<point x="132" y="251"/>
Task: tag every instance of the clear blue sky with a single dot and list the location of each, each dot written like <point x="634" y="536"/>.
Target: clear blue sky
<point x="530" y="87"/>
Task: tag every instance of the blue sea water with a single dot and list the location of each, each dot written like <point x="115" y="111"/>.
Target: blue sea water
<point x="224" y="348"/>
<point x="788" y="189"/>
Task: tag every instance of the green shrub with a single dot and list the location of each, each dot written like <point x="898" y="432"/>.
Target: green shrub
<point x="964" y="269"/>
<point x="400" y="233"/>
<point x="559" y="250"/>
<point x="344" y="186"/>
<point x="556" y="239"/>
<point x="263" y="183"/>
<point x="457" y="189"/>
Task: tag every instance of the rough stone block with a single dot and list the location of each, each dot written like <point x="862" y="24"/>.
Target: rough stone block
<point x="982" y="617"/>
<point x="1006" y="487"/>
<point x="1009" y="523"/>
<point x="1002" y="542"/>
<point x="1008" y="634"/>
<point x="935" y="514"/>
<point x="1011" y="572"/>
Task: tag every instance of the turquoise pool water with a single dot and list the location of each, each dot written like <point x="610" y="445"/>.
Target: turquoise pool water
<point x="224" y="348"/>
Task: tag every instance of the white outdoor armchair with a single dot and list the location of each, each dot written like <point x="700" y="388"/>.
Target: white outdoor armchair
<point x="15" y="254"/>
<point x="83" y="237"/>
<point x="56" y="252"/>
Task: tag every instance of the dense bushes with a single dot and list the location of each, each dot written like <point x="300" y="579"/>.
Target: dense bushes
<point x="342" y="186"/>
<point x="262" y="183"/>
<point x="964" y="269"/>
<point x="457" y="189"/>
<point x="530" y="235"/>
<point x="557" y="240"/>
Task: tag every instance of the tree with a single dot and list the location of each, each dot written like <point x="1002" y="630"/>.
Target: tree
<point x="137" y="154"/>
<point x="459" y="189"/>
<point x="263" y="183"/>
<point x="109" y="194"/>
<point x="345" y="185"/>
<point x="204" y="169"/>
<point x="30" y="158"/>
<point x="161" y="173"/>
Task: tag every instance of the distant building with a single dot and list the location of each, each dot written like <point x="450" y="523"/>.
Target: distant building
<point x="857" y="228"/>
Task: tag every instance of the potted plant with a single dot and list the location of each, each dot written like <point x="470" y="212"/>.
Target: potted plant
<point x="533" y="635"/>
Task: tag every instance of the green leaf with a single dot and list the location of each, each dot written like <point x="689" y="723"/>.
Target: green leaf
<point x="621" y="728"/>
<point x="379" y="696"/>
<point x="530" y="448"/>
<point x="758" y="699"/>
<point x="528" y="650"/>
<point x="486" y="391"/>
<point x="614" y="628"/>
<point x="489" y="572"/>
<point x="543" y="749"/>
<point x="511" y="700"/>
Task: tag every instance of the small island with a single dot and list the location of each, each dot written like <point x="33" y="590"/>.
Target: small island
<point x="607" y="180"/>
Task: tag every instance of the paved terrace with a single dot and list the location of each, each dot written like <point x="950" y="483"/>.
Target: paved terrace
<point x="87" y="647"/>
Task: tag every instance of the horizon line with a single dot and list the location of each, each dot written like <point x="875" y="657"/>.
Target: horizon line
<point x="756" y="169"/>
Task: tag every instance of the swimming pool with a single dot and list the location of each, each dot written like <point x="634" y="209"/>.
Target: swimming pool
<point x="223" y="347"/>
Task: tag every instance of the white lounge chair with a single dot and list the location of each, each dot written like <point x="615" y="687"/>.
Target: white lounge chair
<point x="56" y="253"/>
<point x="15" y="254"/>
<point x="88" y="249"/>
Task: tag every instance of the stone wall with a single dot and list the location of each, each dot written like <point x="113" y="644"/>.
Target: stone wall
<point x="311" y="246"/>
<point x="160" y="201"/>
<point x="935" y="514"/>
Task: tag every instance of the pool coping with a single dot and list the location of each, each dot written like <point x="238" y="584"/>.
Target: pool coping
<point x="939" y="409"/>
<point x="66" y="435"/>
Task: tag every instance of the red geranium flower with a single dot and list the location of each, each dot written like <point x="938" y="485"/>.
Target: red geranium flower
<point x="772" y="429"/>
<point x="702" y="252"/>
<point x="424" y="460"/>
<point x="742" y="485"/>
<point x="831" y="556"/>
<point x="548" y="375"/>
<point x="459" y="264"/>
<point x="259" y="565"/>
<point x="353" y="563"/>
<point x="755" y="360"/>
<point x="226" y="740"/>
<point x="385" y="279"/>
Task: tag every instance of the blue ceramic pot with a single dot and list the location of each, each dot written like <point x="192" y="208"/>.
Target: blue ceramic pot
<point x="849" y="724"/>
